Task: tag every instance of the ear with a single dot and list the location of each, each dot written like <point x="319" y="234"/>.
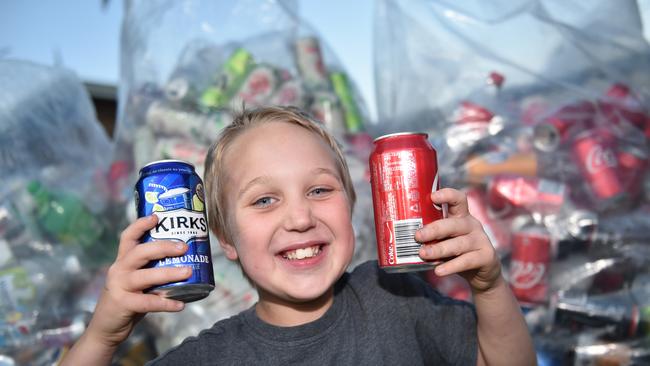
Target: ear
<point x="229" y="249"/>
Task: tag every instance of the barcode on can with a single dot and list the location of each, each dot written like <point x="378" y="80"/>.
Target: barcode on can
<point x="406" y="248"/>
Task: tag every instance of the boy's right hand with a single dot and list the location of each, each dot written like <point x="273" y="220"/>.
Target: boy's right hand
<point x="122" y="302"/>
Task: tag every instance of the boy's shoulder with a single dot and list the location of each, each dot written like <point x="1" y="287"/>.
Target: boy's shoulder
<point x="200" y="349"/>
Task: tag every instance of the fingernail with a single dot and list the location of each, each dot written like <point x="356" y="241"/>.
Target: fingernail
<point x="186" y="270"/>
<point x="178" y="305"/>
<point x="423" y="252"/>
<point x="440" y="271"/>
<point x="180" y="246"/>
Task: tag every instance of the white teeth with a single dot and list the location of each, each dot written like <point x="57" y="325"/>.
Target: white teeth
<point x="302" y="253"/>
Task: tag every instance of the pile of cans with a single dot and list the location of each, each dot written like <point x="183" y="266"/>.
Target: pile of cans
<point x="563" y="192"/>
<point x="179" y="120"/>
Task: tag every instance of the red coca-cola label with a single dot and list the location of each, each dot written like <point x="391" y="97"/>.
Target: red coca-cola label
<point x="511" y="194"/>
<point x="471" y="112"/>
<point x="495" y="229"/>
<point x="594" y="152"/>
<point x="531" y="256"/>
<point x="403" y="173"/>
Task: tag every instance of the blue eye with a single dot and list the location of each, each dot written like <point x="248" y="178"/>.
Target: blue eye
<point x="263" y="202"/>
<point x="320" y="191"/>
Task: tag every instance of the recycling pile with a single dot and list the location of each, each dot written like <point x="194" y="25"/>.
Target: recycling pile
<point x="545" y="126"/>
<point x="58" y="226"/>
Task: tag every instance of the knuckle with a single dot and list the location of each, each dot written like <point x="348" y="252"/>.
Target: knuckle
<point x="123" y="236"/>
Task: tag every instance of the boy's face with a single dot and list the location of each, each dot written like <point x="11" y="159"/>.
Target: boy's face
<point x="288" y="212"/>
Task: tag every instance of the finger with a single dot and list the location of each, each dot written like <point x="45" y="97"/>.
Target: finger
<point x="467" y="261"/>
<point x="146" y="252"/>
<point x="147" y="303"/>
<point x="455" y="199"/>
<point x="130" y="237"/>
<point x="446" y="228"/>
<point x="453" y="247"/>
<point x="144" y="278"/>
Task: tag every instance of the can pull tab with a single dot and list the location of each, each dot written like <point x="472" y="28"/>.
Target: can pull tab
<point x="434" y="187"/>
<point x="444" y="207"/>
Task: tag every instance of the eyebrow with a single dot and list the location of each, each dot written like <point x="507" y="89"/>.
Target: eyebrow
<point x="265" y="179"/>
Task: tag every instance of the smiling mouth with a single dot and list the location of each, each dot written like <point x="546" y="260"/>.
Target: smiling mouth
<point x="302" y="253"/>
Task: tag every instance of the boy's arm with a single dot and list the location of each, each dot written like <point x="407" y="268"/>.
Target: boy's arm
<point x="503" y="335"/>
<point x="90" y="350"/>
<point x="461" y="242"/>
<point x="122" y="302"/>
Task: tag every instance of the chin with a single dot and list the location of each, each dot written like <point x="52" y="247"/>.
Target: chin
<point x="308" y="293"/>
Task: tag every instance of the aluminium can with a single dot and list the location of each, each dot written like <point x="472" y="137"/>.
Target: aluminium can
<point x="529" y="264"/>
<point x="171" y="190"/>
<point x="309" y="59"/>
<point x="403" y="173"/>
<point x="508" y="194"/>
<point x="594" y="151"/>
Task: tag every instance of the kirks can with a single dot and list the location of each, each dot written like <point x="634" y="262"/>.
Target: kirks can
<point x="171" y="190"/>
<point x="403" y="173"/>
<point x="594" y="153"/>
<point x="529" y="264"/>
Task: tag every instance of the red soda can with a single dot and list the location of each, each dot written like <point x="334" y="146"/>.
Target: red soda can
<point x="555" y="130"/>
<point x="469" y="112"/>
<point x="594" y="153"/>
<point x="495" y="229"/>
<point x="633" y="162"/>
<point x="529" y="264"/>
<point x="403" y="173"/>
<point x="507" y="194"/>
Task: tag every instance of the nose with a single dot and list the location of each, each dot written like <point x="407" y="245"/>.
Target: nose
<point x="299" y="215"/>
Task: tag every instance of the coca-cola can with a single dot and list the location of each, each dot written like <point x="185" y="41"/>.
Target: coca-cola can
<point x="495" y="229"/>
<point x="508" y="194"/>
<point x="633" y="164"/>
<point x="529" y="264"/>
<point x="556" y="129"/>
<point x="403" y="173"/>
<point x="594" y="152"/>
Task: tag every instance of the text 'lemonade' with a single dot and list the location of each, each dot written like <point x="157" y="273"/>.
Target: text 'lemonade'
<point x="173" y="191"/>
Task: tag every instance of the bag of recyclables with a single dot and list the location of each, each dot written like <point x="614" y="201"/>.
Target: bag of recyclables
<point x="540" y="110"/>
<point x="54" y="228"/>
<point x="186" y="66"/>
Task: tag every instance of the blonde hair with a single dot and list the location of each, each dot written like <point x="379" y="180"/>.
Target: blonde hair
<point x="246" y="119"/>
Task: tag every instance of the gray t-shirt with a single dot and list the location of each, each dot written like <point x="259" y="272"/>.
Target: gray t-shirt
<point x="376" y="319"/>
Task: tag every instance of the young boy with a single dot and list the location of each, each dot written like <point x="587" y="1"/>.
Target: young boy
<point x="280" y="202"/>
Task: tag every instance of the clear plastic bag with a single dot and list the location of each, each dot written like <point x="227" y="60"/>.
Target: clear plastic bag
<point x="54" y="231"/>
<point x="540" y="110"/>
<point x="186" y="67"/>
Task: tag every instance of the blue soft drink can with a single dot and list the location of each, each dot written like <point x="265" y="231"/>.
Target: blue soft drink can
<point x="171" y="190"/>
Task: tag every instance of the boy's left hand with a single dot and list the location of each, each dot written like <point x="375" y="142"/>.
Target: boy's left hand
<point x="460" y="242"/>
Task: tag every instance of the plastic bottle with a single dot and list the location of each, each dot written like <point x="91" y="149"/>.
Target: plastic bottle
<point x="65" y="217"/>
<point x="626" y="312"/>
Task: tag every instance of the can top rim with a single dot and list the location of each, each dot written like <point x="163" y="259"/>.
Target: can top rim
<point x="168" y="161"/>
<point x="400" y="134"/>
